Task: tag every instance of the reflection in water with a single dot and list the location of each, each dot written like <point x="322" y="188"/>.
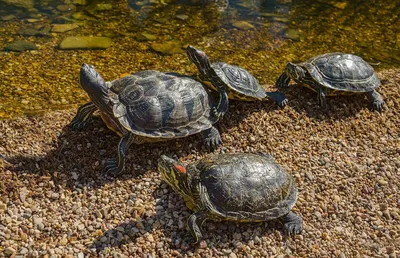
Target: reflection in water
<point x="259" y="35"/>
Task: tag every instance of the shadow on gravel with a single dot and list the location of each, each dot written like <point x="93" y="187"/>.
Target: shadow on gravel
<point x="77" y="157"/>
<point x="304" y="101"/>
<point x="170" y="216"/>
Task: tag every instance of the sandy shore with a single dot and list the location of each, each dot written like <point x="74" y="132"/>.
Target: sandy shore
<point x="55" y="202"/>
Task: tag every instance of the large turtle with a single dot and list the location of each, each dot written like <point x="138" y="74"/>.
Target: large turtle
<point x="334" y="74"/>
<point x="241" y="187"/>
<point x="239" y="83"/>
<point x="148" y="106"/>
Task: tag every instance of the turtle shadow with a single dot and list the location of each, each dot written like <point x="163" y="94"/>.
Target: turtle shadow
<point x="77" y="157"/>
<point x="173" y="214"/>
<point x="304" y="101"/>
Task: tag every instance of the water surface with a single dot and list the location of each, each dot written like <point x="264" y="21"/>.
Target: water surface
<point x="260" y="36"/>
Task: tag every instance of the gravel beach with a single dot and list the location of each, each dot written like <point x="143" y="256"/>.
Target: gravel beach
<point x="55" y="202"/>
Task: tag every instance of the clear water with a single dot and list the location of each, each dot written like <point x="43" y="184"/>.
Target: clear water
<point x="260" y="36"/>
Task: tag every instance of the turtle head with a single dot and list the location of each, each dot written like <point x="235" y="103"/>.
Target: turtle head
<point x="295" y="72"/>
<point x="200" y="59"/>
<point x="95" y="86"/>
<point x="174" y="174"/>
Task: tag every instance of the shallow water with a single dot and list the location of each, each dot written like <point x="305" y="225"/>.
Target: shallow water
<point x="260" y="36"/>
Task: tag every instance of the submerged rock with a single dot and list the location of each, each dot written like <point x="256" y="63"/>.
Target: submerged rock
<point x="33" y="32"/>
<point x="85" y="43"/>
<point x="145" y="37"/>
<point x="243" y="25"/>
<point x="26" y="4"/>
<point x="8" y="17"/>
<point x="168" y="47"/>
<point x="20" y="46"/>
<point x="63" y="27"/>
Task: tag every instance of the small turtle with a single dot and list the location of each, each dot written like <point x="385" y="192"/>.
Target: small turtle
<point x="334" y="74"/>
<point x="238" y="82"/>
<point x="241" y="187"/>
<point x="148" y="106"/>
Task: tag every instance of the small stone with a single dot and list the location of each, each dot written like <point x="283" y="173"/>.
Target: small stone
<point x="292" y="34"/>
<point x="150" y="238"/>
<point x="232" y="255"/>
<point x="202" y="244"/>
<point x="63" y="241"/>
<point x="340" y="5"/>
<point x="243" y="25"/>
<point x="182" y="17"/>
<point x="23" y="250"/>
<point x="382" y="182"/>
<point x="9" y="251"/>
<point x="40" y="226"/>
<point x="318" y="214"/>
<point x="8" y="17"/>
<point x="20" y="46"/>
<point x="85" y="43"/>
<point x="63" y="27"/>
<point x="168" y="47"/>
<point x="3" y="206"/>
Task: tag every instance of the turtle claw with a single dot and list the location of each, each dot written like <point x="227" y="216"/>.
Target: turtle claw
<point x="378" y="105"/>
<point x="292" y="224"/>
<point x="292" y="228"/>
<point x="213" y="143"/>
<point x="212" y="139"/>
<point x="111" y="167"/>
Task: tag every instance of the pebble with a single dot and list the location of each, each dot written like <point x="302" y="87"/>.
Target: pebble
<point x="9" y="251"/>
<point x="243" y="25"/>
<point x="60" y="28"/>
<point x="76" y="42"/>
<point x="168" y="47"/>
<point x="20" y="46"/>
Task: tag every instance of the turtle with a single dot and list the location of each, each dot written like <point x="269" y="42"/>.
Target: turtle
<point x="243" y="187"/>
<point x="148" y="106"/>
<point x="239" y="83"/>
<point x="334" y="74"/>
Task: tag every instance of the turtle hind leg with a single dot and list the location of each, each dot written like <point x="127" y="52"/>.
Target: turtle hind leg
<point x="194" y="223"/>
<point x="322" y="98"/>
<point x="376" y="99"/>
<point x="83" y="115"/>
<point x="212" y="138"/>
<point x="278" y="97"/>
<point x="292" y="223"/>
<point x="115" y="166"/>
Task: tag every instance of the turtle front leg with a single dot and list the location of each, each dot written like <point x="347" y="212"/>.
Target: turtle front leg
<point x="376" y="99"/>
<point x="283" y="81"/>
<point x="194" y="223"/>
<point x="222" y="106"/>
<point x="292" y="223"/>
<point x="115" y="166"/>
<point x="212" y="138"/>
<point x="83" y="115"/>
<point x="278" y="97"/>
<point x="322" y="97"/>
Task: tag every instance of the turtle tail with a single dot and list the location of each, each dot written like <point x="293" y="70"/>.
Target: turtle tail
<point x="95" y="86"/>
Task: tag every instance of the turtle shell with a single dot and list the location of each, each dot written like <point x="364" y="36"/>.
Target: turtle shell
<point x="162" y="105"/>
<point x="245" y="187"/>
<point x="241" y="84"/>
<point x="340" y="71"/>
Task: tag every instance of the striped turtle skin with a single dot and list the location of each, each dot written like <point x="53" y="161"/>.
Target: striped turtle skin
<point x="335" y="74"/>
<point x="148" y="106"/>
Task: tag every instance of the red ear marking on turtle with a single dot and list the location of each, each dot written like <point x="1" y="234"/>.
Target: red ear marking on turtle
<point x="180" y="169"/>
